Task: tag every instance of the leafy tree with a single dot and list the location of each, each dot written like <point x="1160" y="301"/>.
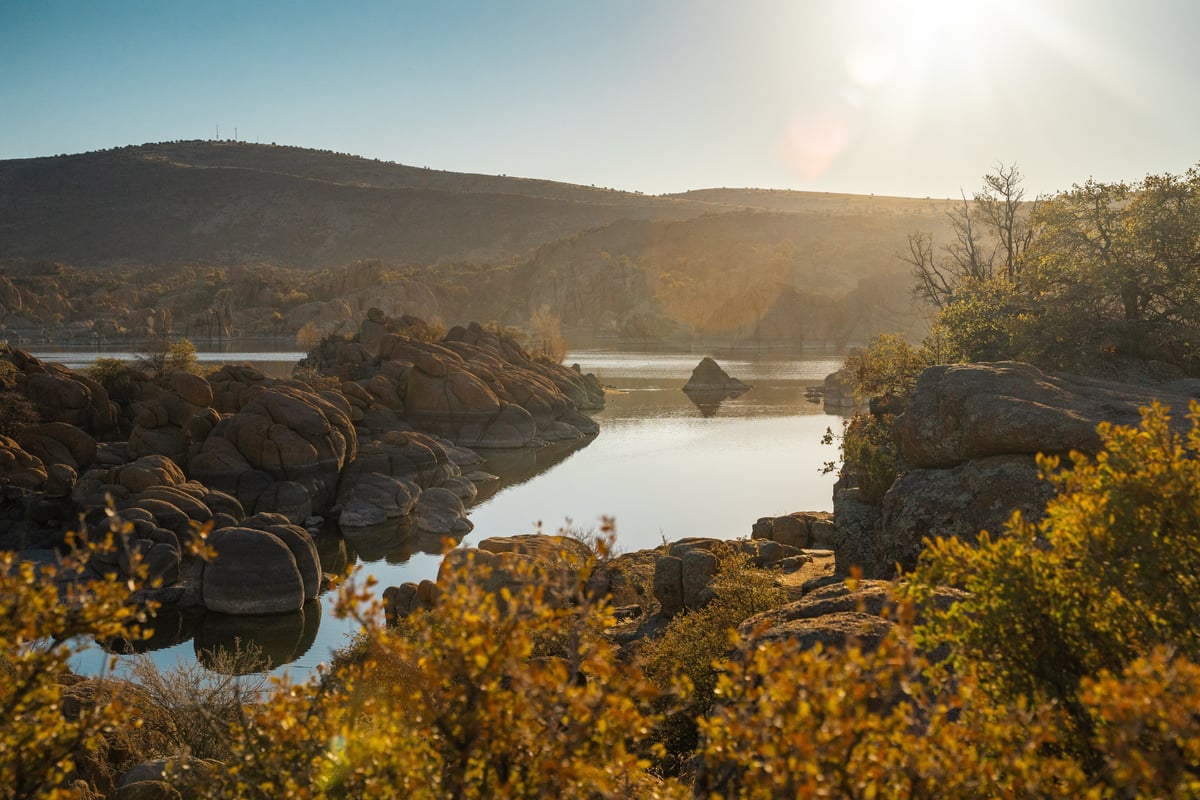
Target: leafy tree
<point x="163" y="356"/>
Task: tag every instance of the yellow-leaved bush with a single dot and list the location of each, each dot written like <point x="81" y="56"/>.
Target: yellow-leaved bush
<point x="496" y="692"/>
<point x="48" y="613"/>
<point x="1068" y="669"/>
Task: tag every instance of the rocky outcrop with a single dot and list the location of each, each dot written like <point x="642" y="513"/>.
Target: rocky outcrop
<point x="958" y="413"/>
<point x="284" y="434"/>
<point x="835" y="616"/>
<point x="499" y="563"/>
<point x="955" y="502"/>
<point x="799" y="529"/>
<point x="476" y="388"/>
<point x="162" y="416"/>
<point x="62" y="395"/>
<point x="19" y="468"/>
<point x="709" y="377"/>
<point x="683" y="575"/>
<point x="967" y="442"/>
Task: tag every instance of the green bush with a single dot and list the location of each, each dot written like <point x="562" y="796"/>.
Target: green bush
<point x="869" y="455"/>
<point x="690" y="651"/>
<point x="119" y="378"/>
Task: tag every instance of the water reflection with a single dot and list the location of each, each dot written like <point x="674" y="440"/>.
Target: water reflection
<point x="666" y="464"/>
<point x="708" y="401"/>
<point x="391" y="542"/>
<point x="278" y="639"/>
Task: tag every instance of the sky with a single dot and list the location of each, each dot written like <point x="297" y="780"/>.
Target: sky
<point x="916" y="98"/>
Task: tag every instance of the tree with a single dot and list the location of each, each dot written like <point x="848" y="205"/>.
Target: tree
<point x="991" y="234"/>
<point x="1120" y="265"/>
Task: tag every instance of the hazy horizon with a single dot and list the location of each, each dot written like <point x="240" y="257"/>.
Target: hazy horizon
<point x="910" y="98"/>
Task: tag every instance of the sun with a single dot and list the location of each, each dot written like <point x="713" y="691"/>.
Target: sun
<point x="951" y="16"/>
<point x="907" y="41"/>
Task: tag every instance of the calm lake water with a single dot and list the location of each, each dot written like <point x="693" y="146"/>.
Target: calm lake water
<point x="662" y="466"/>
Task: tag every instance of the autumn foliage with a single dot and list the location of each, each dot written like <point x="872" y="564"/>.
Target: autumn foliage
<point x="1068" y="670"/>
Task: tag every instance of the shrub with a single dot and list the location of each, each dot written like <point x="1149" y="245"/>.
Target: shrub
<point x="162" y="357"/>
<point x="547" y="340"/>
<point x="887" y="370"/>
<point x="868" y="455"/>
<point x="117" y="377"/>
<point x="204" y="702"/>
<point x="465" y="709"/>
<point x="316" y="380"/>
<point x="690" y="651"/>
<point x="858" y="723"/>
<point x="16" y="412"/>
<point x="888" y="366"/>
<point x="43" y="623"/>
<point x="1108" y="574"/>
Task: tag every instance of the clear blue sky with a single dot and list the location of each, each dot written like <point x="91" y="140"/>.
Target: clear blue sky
<point x="910" y="97"/>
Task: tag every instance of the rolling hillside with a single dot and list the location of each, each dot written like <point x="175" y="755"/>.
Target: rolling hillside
<point x="735" y="264"/>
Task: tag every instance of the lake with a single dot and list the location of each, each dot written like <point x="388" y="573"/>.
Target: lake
<point x="662" y="466"/>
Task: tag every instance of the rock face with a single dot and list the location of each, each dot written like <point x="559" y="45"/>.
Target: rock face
<point x="62" y="395"/>
<point x="682" y="576"/>
<point x="281" y="433"/>
<point x="834" y="616"/>
<point x="476" y="388"/>
<point x="968" y="440"/>
<point x="709" y="377"/>
<point x="958" y="413"/>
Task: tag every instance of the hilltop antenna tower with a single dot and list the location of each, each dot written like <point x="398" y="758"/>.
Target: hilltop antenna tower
<point x="218" y="131"/>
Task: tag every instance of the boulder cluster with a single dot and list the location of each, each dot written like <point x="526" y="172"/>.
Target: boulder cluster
<point x="255" y="470"/>
<point x="967" y="442"/>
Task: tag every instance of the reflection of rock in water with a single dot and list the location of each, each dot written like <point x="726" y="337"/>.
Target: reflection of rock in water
<point x="279" y="638"/>
<point x="709" y="402"/>
<point x="331" y="550"/>
<point x="517" y="466"/>
<point x="394" y="542"/>
<point x="710" y="386"/>
<point x="170" y="626"/>
<point x="391" y="540"/>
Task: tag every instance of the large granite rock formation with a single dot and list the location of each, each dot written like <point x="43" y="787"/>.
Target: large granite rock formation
<point x="475" y="388"/>
<point x="285" y="434"/>
<point x="958" y="413"/>
<point x="62" y="395"/>
<point x="967" y="442"/>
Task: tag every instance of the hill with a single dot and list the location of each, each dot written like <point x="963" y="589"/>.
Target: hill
<point x="731" y="264"/>
<point x="238" y="203"/>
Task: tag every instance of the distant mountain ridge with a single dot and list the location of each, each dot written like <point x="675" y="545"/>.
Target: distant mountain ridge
<point x="236" y="203"/>
<point x="721" y="264"/>
<point x="239" y="203"/>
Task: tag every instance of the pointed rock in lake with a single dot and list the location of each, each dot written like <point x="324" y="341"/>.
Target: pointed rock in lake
<point x="709" y="377"/>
